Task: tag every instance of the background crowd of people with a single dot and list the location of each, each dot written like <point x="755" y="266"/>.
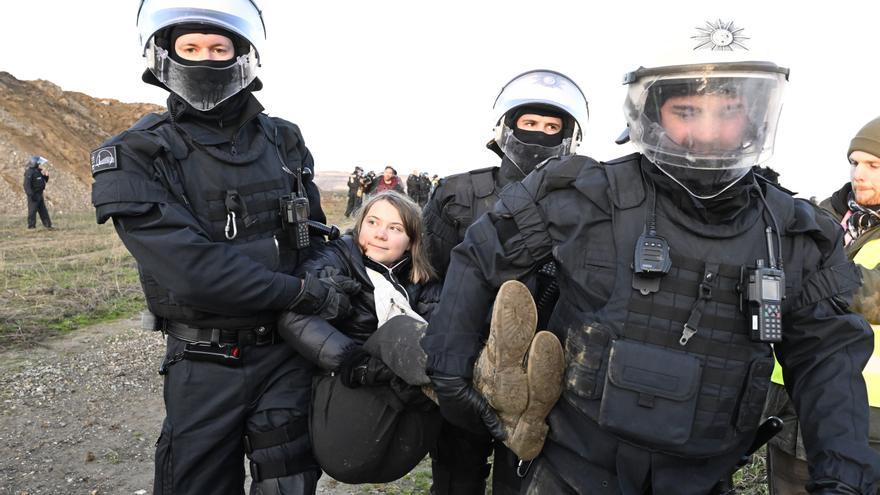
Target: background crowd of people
<point x="419" y="186"/>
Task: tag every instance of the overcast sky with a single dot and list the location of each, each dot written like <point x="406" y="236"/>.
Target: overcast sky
<point x="411" y="83"/>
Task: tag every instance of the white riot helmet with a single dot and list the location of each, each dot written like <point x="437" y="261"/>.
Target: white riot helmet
<point x="539" y="89"/>
<point x="706" y="124"/>
<point x="36" y="161"/>
<point x="202" y="85"/>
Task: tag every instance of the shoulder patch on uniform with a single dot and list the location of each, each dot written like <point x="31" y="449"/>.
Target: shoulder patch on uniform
<point x="104" y="159"/>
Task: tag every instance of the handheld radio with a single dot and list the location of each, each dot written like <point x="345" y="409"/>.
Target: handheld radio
<point x="766" y="285"/>
<point x="295" y="219"/>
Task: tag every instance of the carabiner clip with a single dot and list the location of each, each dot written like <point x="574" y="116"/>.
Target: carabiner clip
<point x="519" y="468"/>
<point x="230" y="225"/>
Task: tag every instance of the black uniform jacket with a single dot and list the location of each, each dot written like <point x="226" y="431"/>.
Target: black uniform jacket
<point x="34" y="182"/>
<point x="551" y="215"/>
<point x="169" y="240"/>
<point x="326" y="343"/>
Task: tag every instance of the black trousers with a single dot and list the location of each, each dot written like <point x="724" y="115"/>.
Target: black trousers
<point x="353" y="204"/>
<point x="38" y="205"/>
<point x="459" y="464"/>
<point x="580" y="457"/>
<point x="210" y="407"/>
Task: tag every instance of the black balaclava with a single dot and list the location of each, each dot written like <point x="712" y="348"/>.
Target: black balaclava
<point x="538" y="137"/>
<point x="241" y="46"/>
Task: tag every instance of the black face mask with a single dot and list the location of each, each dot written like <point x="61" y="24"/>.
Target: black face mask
<point x="169" y="38"/>
<point x="538" y="137"/>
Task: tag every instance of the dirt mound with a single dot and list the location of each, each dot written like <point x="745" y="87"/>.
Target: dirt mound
<point x="39" y="118"/>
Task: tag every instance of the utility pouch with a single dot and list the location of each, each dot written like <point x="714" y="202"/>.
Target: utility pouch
<point x="650" y="393"/>
<point x="754" y="394"/>
<point x="151" y="322"/>
<point x="586" y="351"/>
<point x="225" y="354"/>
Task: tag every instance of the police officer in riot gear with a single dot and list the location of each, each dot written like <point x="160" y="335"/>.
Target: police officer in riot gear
<point x="677" y="269"/>
<point x="35" y="179"/>
<point x="539" y="114"/>
<point x="214" y="199"/>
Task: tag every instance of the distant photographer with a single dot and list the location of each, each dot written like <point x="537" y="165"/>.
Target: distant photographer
<point x="35" y="179"/>
<point x="368" y="183"/>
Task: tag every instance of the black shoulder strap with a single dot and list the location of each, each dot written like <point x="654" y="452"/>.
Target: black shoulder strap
<point x="277" y="140"/>
<point x="625" y="181"/>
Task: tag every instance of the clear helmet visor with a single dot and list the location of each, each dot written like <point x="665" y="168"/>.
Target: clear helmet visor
<point x="703" y="125"/>
<point x="203" y="87"/>
<point x="527" y="156"/>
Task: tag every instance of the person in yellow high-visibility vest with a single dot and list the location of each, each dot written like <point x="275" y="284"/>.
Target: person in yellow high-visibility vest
<point x="857" y="207"/>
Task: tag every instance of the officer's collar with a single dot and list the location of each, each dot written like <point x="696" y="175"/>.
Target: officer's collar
<point x="508" y="173"/>
<point x="220" y="124"/>
<point x="725" y="215"/>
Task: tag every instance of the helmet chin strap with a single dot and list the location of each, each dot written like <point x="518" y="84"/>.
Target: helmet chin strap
<point x="689" y="191"/>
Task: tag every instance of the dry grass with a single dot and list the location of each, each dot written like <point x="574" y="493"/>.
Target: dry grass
<point x="53" y="282"/>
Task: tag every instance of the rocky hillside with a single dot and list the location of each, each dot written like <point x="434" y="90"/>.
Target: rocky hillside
<point x="39" y="118"/>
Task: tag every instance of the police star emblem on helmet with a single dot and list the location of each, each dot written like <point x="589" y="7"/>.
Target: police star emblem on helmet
<point x="720" y="35"/>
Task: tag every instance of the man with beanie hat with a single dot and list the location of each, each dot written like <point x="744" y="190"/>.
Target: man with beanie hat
<point x="214" y="199"/>
<point x="856" y="206"/>
<point x="538" y="115"/>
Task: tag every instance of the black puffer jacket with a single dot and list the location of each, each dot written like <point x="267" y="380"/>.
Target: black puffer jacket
<point x="327" y="343"/>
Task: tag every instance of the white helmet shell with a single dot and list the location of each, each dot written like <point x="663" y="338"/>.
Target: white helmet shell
<point x="707" y="119"/>
<point x="545" y="87"/>
<point x="241" y="17"/>
<point x="204" y="87"/>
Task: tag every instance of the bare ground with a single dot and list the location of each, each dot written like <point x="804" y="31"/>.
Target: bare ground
<point x="80" y="414"/>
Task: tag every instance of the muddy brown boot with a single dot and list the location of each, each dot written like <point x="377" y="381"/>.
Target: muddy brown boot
<point x="499" y="373"/>
<point x="545" y="369"/>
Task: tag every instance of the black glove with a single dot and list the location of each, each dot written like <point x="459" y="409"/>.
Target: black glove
<point x="465" y="407"/>
<point x="830" y="487"/>
<point x="327" y="298"/>
<point x="332" y="277"/>
<point x="359" y="368"/>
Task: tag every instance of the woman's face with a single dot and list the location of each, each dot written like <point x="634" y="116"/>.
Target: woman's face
<point x="382" y="235"/>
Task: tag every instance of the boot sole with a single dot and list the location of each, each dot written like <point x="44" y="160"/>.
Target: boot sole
<point x="545" y="370"/>
<point x="500" y="368"/>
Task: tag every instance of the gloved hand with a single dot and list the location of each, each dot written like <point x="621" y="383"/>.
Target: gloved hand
<point x="359" y="368"/>
<point x="463" y="406"/>
<point x="327" y="298"/>
<point x="830" y="487"/>
<point x="332" y="277"/>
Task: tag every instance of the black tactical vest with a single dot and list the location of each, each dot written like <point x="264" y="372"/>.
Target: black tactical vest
<point x="629" y="368"/>
<point x="236" y="201"/>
